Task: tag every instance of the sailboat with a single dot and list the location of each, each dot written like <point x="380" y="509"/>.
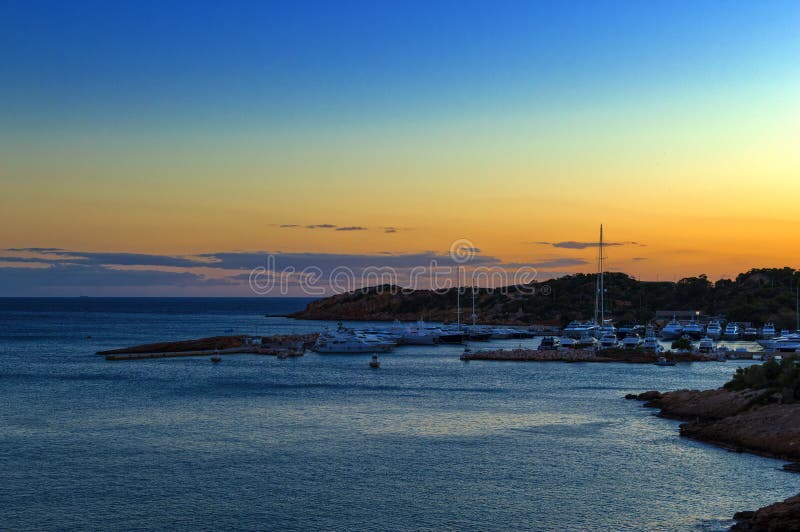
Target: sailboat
<point x="605" y="330"/>
<point x="474" y="333"/>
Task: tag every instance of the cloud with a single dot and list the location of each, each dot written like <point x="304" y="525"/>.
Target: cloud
<point x="66" y="272"/>
<point x="62" y="256"/>
<point x="572" y="244"/>
<point x="563" y="262"/>
<point x="284" y="226"/>
<point x="389" y="229"/>
<point x="320" y="226"/>
<point x="35" y="250"/>
<point x="92" y="276"/>
<point x="351" y="228"/>
<point x="639" y="258"/>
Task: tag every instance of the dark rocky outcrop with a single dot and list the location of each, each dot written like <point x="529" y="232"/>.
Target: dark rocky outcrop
<point x="755" y="421"/>
<point x="779" y="517"/>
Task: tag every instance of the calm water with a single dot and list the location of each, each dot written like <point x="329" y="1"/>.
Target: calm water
<point x="426" y="442"/>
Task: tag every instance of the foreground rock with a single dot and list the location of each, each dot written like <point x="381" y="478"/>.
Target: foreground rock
<point x="755" y="421"/>
<point x="749" y="420"/>
<point x="781" y="516"/>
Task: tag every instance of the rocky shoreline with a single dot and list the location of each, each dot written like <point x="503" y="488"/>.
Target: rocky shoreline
<point x="578" y="355"/>
<point x="754" y="421"/>
<point x="267" y="345"/>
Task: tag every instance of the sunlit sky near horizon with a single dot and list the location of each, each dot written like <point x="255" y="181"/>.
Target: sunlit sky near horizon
<point x="166" y="146"/>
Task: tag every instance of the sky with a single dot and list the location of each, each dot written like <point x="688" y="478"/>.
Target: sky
<point x="169" y="148"/>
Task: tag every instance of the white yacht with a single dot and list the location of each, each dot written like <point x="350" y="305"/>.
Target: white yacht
<point x="378" y="340"/>
<point x="714" y="330"/>
<point x="577" y="329"/>
<point x="750" y="333"/>
<point x="502" y="333"/>
<point x="693" y="329"/>
<point x="788" y="344"/>
<point x="631" y="341"/>
<point x="609" y="341"/>
<point x="672" y="330"/>
<point x="731" y="332"/>
<point x="344" y="343"/>
<point x="419" y="334"/>
<point x="651" y="341"/>
<point x="587" y="340"/>
<point x="606" y="329"/>
<point x="707" y="345"/>
<point x="565" y="342"/>
<point x="768" y="331"/>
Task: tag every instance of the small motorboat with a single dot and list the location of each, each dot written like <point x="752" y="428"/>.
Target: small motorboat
<point x="750" y="333"/>
<point x="216" y="359"/>
<point x="663" y="361"/>
<point x="549" y="343"/>
<point x="566" y="342"/>
<point x="609" y="341"/>
<point x="707" y="345"/>
<point x="631" y="341"/>
<point x="672" y="330"/>
<point x="374" y="362"/>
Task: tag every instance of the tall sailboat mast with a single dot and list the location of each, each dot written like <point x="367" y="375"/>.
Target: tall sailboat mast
<point x="602" y="288"/>
<point x="599" y="302"/>
<point x="474" y="316"/>
<point x="458" y="303"/>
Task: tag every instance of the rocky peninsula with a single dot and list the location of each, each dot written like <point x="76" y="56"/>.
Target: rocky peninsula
<point x="756" y="412"/>
<point x="278" y="345"/>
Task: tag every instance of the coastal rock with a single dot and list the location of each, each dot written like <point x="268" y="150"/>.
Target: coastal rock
<point x="704" y="405"/>
<point x="781" y="516"/>
<point x="771" y="430"/>
<point x="652" y="395"/>
<point x="794" y="467"/>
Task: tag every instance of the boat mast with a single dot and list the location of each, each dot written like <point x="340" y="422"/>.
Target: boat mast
<point x="474" y="316"/>
<point x="602" y="288"/>
<point x="458" y="300"/>
<point x="597" y="292"/>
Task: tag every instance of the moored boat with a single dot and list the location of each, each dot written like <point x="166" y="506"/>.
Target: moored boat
<point x="631" y="341"/>
<point x="609" y="341"/>
<point x="714" y="330"/>
<point x="651" y="341"/>
<point x="707" y="345"/>
<point x="731" y="331"/>
<point x="549" y="343"/>
<point x="672" y="330"/>
<point x="693" y="329"/>
<point x="787" y="344"/>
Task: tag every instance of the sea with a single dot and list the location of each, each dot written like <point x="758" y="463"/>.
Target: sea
<point x="426" y="442"/>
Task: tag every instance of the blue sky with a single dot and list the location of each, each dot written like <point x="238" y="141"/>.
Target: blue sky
<point x="136" y="134"/>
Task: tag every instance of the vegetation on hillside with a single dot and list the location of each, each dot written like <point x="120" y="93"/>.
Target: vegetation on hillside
<point x="758" y="296"/>
<point x="781" y="377"/>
